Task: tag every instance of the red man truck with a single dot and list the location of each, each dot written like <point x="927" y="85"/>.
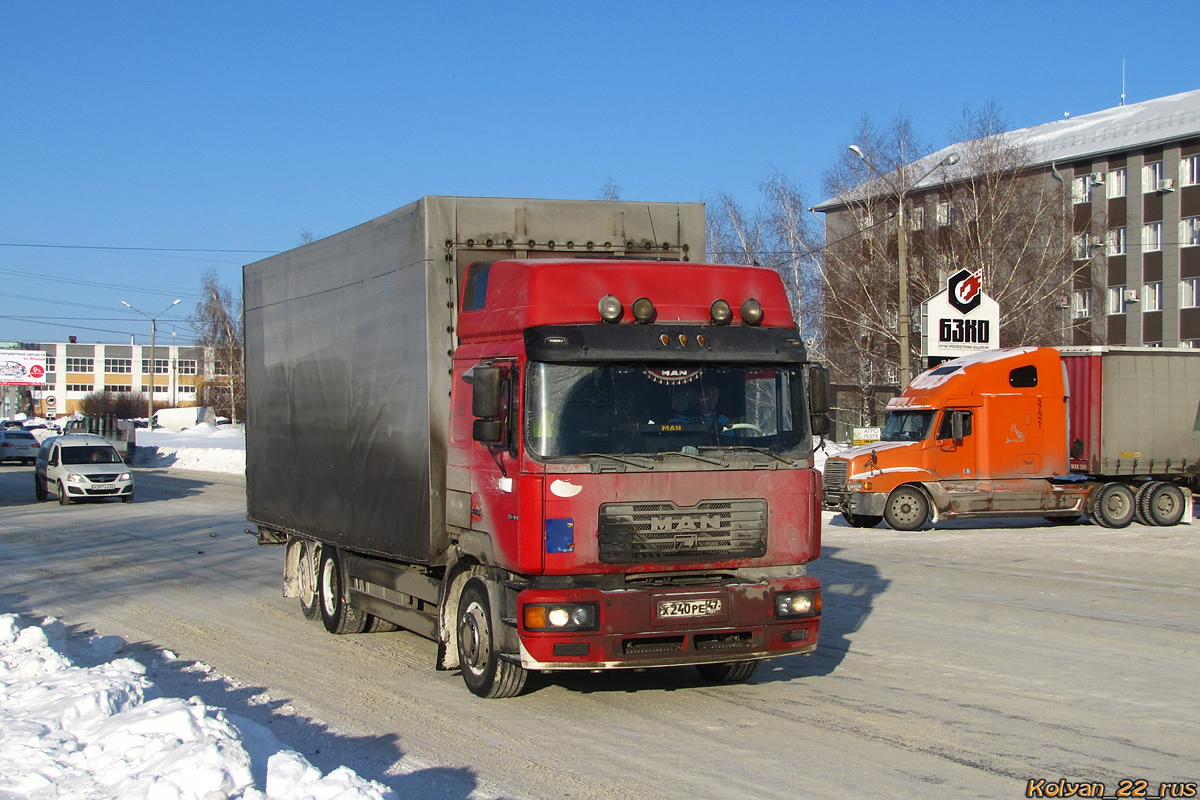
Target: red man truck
<point x="1111" y="432"/>
<point x="542" y="433"/>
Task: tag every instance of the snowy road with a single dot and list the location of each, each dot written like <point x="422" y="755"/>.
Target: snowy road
<point x="956" y="662"/>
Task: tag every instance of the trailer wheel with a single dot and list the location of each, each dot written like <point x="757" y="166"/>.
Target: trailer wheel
<point x="484" y="672"/>
<point x="1113" y="505"/>
<point x="732" y="672"/>
<point x="337" y="614"/>
<point x="906" y="509"/>
<point x="306" y="575"/>
<point x="1140" y="509"/>
<point x="1163" y="504"/>
<point x="861" y="520"/>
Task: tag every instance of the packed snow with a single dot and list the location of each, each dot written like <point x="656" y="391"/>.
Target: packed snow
<point x="103" y="731"/>
<point x="203" y="448"/>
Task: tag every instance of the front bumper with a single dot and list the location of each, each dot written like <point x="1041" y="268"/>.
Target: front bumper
<point x="632" y="635"/>
<point x="866" y="504"/>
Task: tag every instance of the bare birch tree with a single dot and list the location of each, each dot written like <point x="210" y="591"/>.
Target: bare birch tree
<point x="218" y="325"/>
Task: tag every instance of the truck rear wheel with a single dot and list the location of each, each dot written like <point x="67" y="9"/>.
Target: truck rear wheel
<point x="732" y="672"/>
<point x="306" y="575"/>
<point x="1112" y="505"/>
<point x="484" y="672"/>
<point x="861" y="520"/>
<point x="906" y="509"/>
<point x="337" y="614"/>
<point x="1162" y="504"/>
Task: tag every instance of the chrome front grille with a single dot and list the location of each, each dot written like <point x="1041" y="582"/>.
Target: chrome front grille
<point x="835" y="473"/>
<point x="662" y="531"/>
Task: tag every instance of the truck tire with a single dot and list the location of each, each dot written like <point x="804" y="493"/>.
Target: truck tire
<point x="1162" y="504"/>
<point x="484" y="672"/>
<point x="63" y="498"/>
<point x="861" y="520"/>
<point x="337" y="614"/>
<point x="906" y="509"/>
<point x="1070" y="520"/>
<point x="1112" y="505"/>
<point x="1140" y="509"/>
<point x="39" y="487"/>
<point x="306" y="574"/>
<point x="732" y="672"/>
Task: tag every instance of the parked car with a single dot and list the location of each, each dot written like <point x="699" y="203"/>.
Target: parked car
<point x="18" y="445"/>
<point x="77" y="466"/>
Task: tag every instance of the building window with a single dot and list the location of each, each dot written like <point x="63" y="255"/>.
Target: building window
<point x="1152" y="175"/>
<point x="1152" y="237"/>
<point x="1082" y="246"/>
<point x="185" y="367"/>
<point x="1190" y="170"/>
<point x="1190" y="344"/>
<point x="118" y="387"/>
<point x="1189" y="293"/>
<point x="49" y="363"/>
<point x="118" y="366"/>
<point x="161" y="366"/>
<point x="943" y="213"/>
<point x="1117" y="182"/>
<point x="1081" y="189"/>
<point x="78" y="387"/>
<point x="1189" y="233"/>
<point x="1152" y="298"/>
<point x="916" y="218"/>
<point x="1117" y="304"/>
<point x="159" y="388"/>
<point x="81" y="365"/>
<point x="185" y="389"/>
<point x="1117" y="241"/>
<point x="1081" y="304"/>
<point x="1153" y="344"/>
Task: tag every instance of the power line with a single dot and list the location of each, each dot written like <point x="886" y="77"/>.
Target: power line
<point x="136" y="249"/>
<point x="92" y="284"/>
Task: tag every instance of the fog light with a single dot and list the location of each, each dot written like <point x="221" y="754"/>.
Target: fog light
<point x="806" y="603"/>
<point x="752" y="312"/>
<point x="720" y="312"/>
<point x="643" y="310"/>
<point x="611" y="309"/>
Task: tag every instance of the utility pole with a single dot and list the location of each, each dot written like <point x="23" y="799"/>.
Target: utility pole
<point x="153" y="328"/>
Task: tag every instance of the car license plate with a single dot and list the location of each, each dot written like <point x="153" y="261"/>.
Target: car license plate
<point x="688" y="608"/>
<point x="103" y="486"/>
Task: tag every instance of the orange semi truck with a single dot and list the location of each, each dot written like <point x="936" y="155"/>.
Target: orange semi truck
<point x="1110" y="432"/>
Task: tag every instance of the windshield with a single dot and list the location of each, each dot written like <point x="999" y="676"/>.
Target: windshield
<point x="97" y="454"/>
<point x="907" y="426"/>
<point x="576" y="409"/>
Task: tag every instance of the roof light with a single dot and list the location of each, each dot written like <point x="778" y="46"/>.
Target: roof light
<point x="720" y="312"/>
<point x="643" y="310"/>
<point x="752" y="312"/>
<point x="611" y="309"/>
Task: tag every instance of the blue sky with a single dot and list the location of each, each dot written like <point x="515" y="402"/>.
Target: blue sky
<point x="212" y="126"/>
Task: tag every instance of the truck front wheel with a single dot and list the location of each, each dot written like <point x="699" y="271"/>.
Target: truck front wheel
<point x="861" y="520"/>
<point x="733" y="672"/>
<point x="337" y="614"/>
<point x="1112" y="505"/>
<point x="484" y="672"/>
<point x="906" y="509"/>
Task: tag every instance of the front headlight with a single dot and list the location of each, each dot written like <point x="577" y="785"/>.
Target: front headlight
<point x="125" y="476"/>
<point x="804" y="603"/>
<point x="73" y="478"/>
<point x="562" y="616"/>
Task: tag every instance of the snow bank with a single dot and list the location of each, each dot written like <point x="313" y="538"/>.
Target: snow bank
<point x="102" y="732"/>
<point x="203" y="448"/>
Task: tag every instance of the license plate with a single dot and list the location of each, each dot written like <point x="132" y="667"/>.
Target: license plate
<point x="103" y="486"/>
<point x="688" y="608"/>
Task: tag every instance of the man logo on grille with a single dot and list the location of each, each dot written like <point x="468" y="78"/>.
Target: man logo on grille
<point x="693" y="523"/>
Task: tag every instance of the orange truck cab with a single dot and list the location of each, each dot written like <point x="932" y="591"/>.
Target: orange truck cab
<point x="992" y="434"/>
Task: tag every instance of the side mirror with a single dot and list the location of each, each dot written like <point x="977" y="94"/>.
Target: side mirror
<point x="820" y="424"/>
<point x="485" y="392"/>
<point x="956" y="427"/>
<point x="487" y="431"/>
<point x="818" y="390"/>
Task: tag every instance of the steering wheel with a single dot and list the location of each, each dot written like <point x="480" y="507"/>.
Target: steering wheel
<point x="743" y="426"/>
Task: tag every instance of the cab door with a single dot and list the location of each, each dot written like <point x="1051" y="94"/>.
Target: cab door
<point x="955" y="461"/>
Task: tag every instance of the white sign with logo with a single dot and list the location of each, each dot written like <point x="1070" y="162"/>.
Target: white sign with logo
<point x="22" y="368"/>
<point x="960" y="319"/>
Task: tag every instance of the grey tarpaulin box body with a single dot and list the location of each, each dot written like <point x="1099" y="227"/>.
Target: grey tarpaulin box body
<point x="349" y="342"/>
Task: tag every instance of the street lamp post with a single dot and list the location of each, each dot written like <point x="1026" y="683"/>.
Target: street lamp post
<point x="902" y="250"/>
<point x="153" y="328"/>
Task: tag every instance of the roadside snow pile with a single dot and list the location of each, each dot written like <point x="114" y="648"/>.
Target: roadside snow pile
<point x="102" y="732"/>
<point x="824" y="449"/>
<point x="204" y="448"/>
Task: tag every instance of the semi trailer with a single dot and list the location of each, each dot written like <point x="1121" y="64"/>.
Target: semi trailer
<point x="544" y="434"/>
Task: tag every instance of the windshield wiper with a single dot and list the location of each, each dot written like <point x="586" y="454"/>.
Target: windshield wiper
<point x="639" y="464"/>
<point x="695" y="456"/>
<point x="762" y="450"/>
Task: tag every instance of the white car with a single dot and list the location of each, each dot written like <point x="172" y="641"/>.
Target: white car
<point x="18" y="445"/>
<point x="77" y="466"/>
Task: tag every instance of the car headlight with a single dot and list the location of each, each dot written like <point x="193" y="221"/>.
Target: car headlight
<point x="125" y="476"/>
<point x="561" y="616"/>
<point x="804" y="603"/>
<point x="73" y="478"/>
